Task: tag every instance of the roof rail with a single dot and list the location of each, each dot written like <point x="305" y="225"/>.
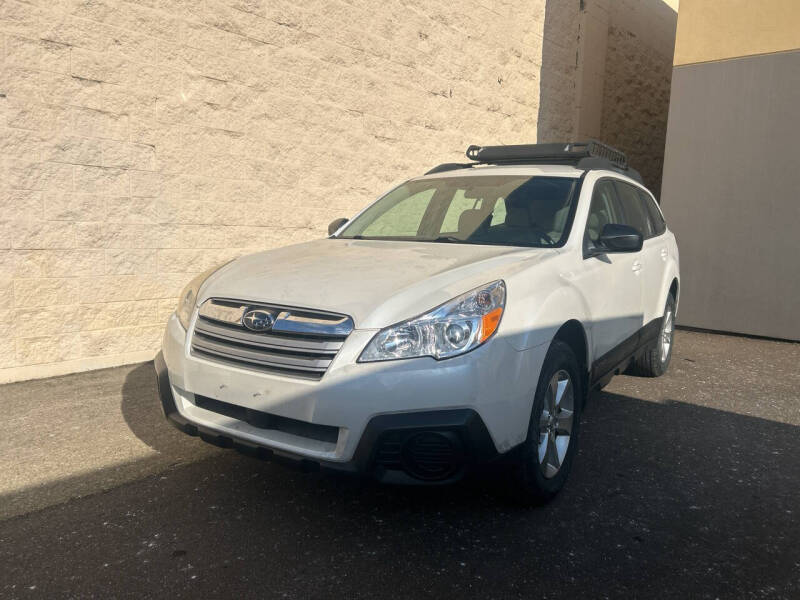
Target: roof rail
<point x="586" y="155"/>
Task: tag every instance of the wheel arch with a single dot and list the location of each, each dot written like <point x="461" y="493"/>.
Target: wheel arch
<point x="674" y="289"/>
<point x="573" y="334"/>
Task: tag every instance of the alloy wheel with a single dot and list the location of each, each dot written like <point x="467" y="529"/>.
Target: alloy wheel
<point x="666" y="335"/>
<point x="555" y="423"/>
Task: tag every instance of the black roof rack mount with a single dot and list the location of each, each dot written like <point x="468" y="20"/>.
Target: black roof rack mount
<point x="583" y="155"/>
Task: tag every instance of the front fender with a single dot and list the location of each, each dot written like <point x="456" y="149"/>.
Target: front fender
<point x="536" y="321"/>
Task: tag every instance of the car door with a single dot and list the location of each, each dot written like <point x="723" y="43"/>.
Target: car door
<point x="654" y="248"/>
<point x="612" y="285"/>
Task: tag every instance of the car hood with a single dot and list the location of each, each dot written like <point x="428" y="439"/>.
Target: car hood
<point x="376" y="282"/>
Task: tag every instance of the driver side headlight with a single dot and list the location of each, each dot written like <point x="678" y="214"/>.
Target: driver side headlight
<point x="188" y="297"/>
<point x="455" y="327"/>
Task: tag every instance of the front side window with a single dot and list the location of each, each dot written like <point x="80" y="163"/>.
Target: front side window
<point x="510" y="210"/>
<point x="603" y="211"/>
<point x="634" y="211"/>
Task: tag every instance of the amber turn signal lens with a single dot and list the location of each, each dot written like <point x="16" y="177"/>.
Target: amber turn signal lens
<point x="489" y="323"/>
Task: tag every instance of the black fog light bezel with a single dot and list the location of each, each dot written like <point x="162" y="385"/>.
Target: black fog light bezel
<point x="450" y="454"/>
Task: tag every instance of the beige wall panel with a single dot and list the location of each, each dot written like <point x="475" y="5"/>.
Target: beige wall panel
<point x="720" y="29"/>
<point x="731" y="193"/>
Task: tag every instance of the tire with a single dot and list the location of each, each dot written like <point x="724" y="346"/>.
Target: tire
<point x="539" y="475"/>
<point x="654" y="360"/>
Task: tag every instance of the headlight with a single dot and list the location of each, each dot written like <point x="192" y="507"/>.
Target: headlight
<point x="188" y="297"/>
<point x="456" y="327"/>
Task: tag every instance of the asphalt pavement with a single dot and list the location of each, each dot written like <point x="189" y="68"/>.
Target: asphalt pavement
<point x="686" y="486"/>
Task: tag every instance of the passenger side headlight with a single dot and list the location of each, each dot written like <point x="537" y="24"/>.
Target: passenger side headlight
<point x="188" y="297"/>
<point x="456" y="327"/>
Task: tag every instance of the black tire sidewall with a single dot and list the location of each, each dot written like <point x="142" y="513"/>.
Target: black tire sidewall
<point x="559" y="356"/>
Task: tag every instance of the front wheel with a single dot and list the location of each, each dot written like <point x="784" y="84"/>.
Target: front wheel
<point x="547" y="454"/>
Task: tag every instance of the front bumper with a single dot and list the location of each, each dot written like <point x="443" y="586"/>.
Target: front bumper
<point x="405" y="448"/>
<point x="360" y="416"/>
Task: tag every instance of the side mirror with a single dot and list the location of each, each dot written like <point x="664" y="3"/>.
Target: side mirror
<point x="336" y="224"/>
<point x="619" y="238"/>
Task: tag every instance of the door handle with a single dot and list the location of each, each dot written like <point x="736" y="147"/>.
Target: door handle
<point x="636" y="267"/>
<point x="664" y="254"/>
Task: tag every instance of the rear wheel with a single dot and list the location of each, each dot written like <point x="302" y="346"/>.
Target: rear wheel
<point x="547" y="454"/>
<point x="654" y="360"/>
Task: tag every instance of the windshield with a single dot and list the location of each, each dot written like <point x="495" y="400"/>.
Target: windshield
<point x="506" y="210"/>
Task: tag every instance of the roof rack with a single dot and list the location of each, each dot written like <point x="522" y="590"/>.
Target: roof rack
<point x="583" y="155"/>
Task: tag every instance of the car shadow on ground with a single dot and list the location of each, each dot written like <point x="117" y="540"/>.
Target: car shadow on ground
<point x="665" y="499"/>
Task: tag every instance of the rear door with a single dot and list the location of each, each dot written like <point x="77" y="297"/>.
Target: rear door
<point x="656" y="261"/>
<point x="612" y="285"/>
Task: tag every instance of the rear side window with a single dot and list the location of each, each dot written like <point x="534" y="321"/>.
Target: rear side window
<point x="656" y="218"/>
<point x="635" y="213"/>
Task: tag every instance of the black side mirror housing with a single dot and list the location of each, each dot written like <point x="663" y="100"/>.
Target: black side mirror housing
<point x="619" y="238"/>
<point x="336" y="224"/>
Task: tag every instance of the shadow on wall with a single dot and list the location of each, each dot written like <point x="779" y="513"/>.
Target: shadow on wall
<point x="606" y="73"/>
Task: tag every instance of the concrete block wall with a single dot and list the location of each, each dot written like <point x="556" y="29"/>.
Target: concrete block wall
<point x="625" y="69"/>
<point x="639" y="50"/>
<point x="142" y="142"/>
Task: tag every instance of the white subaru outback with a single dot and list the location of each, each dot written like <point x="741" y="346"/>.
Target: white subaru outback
<point x="461" y="318"/>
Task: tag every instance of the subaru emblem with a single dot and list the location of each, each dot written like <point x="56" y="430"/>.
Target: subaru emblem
<point x="258" y="320"/>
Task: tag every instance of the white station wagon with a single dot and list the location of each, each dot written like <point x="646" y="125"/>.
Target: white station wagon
<point x="460" y="319"/>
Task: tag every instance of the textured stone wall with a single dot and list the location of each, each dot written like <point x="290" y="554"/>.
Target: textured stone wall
<point x="636" y="84"/>
<point x="560" y="72"/>
<point x="142" y="142"/>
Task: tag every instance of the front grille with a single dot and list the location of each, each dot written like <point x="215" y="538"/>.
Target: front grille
<point x="300" y="342"/>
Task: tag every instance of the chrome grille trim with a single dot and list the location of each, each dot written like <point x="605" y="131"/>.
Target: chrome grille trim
<point x="301" y="343"/>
